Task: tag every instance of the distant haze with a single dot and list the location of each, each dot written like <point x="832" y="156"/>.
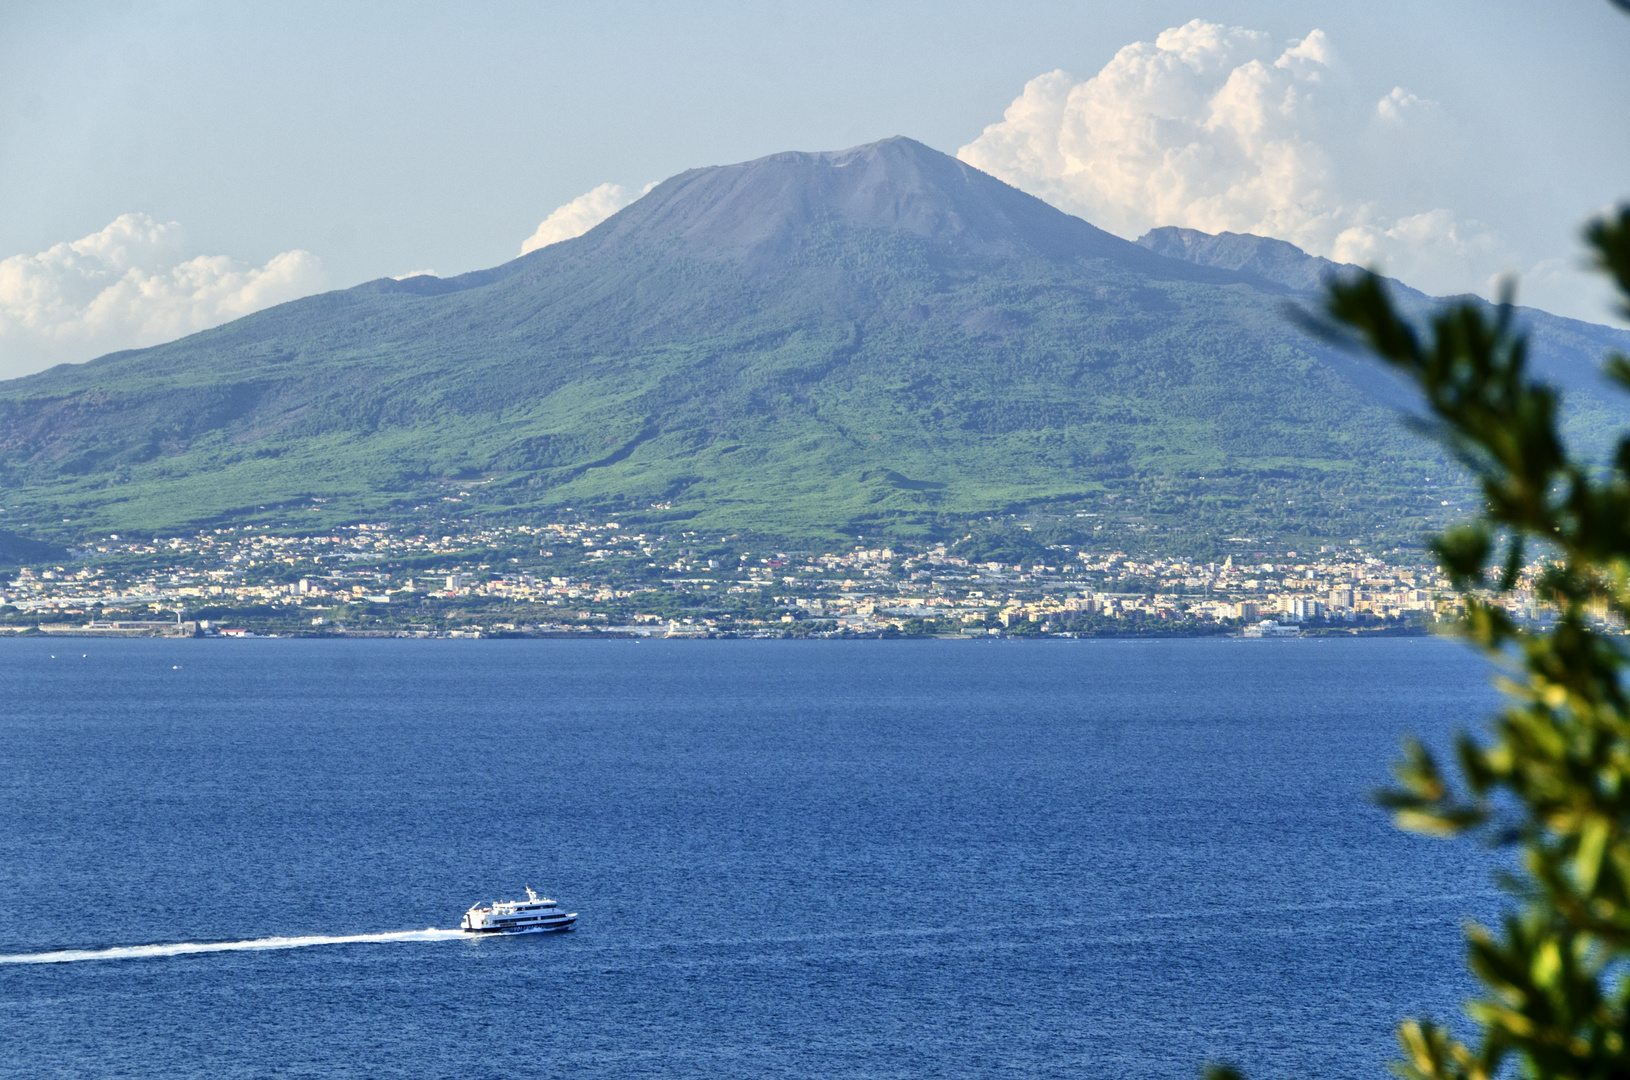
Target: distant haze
<point x="186" y="164"/>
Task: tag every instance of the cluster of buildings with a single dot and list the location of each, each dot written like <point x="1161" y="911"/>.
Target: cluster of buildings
<point x="595" y="577"/>
<point x="1332" y="586"/>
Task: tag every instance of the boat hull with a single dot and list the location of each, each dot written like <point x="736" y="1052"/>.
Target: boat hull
<point x="530" y="928"/>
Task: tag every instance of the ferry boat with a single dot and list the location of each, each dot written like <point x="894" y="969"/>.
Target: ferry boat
<point x="534" y="915"/>
<point x="1269" y="628"/>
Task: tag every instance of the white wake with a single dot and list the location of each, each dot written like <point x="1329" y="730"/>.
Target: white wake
<point x="138" y="952"/>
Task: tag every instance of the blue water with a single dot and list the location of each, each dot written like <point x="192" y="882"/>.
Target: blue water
<point x="868" y="859"/>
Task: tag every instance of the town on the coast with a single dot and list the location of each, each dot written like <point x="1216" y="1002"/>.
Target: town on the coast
<point x="599" y="578"/>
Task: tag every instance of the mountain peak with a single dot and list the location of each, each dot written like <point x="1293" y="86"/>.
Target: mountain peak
<point x="769" y="207"/>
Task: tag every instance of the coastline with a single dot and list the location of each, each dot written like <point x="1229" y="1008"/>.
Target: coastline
<point x="1410" y="630"/>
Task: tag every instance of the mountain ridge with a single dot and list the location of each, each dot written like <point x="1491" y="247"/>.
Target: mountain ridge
<point x="1280" y="262"/>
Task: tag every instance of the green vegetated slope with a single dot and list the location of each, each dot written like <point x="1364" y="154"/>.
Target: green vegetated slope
<point x="877" y="340"/>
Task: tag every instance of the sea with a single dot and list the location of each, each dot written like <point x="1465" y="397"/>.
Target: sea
<point x="1061" y="858"/>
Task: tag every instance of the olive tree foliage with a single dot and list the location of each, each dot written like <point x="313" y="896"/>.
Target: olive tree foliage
<point x="1552" y="774"/>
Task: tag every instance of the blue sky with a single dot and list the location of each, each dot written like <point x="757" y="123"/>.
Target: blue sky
<point x="187" y="162"/>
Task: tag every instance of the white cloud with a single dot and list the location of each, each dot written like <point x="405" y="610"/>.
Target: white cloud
<point x="130" y="285"/>
<point x="581" y="214"/>
<point x="1221" y="129"/>
<point x="1399" y="104"/>
<point x="413" y="273"/>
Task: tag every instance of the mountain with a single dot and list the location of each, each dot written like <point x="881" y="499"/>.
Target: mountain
<point x="1569" y="351"/>
<point x="1271" y="260"/>
<point x="877" y="340"/>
